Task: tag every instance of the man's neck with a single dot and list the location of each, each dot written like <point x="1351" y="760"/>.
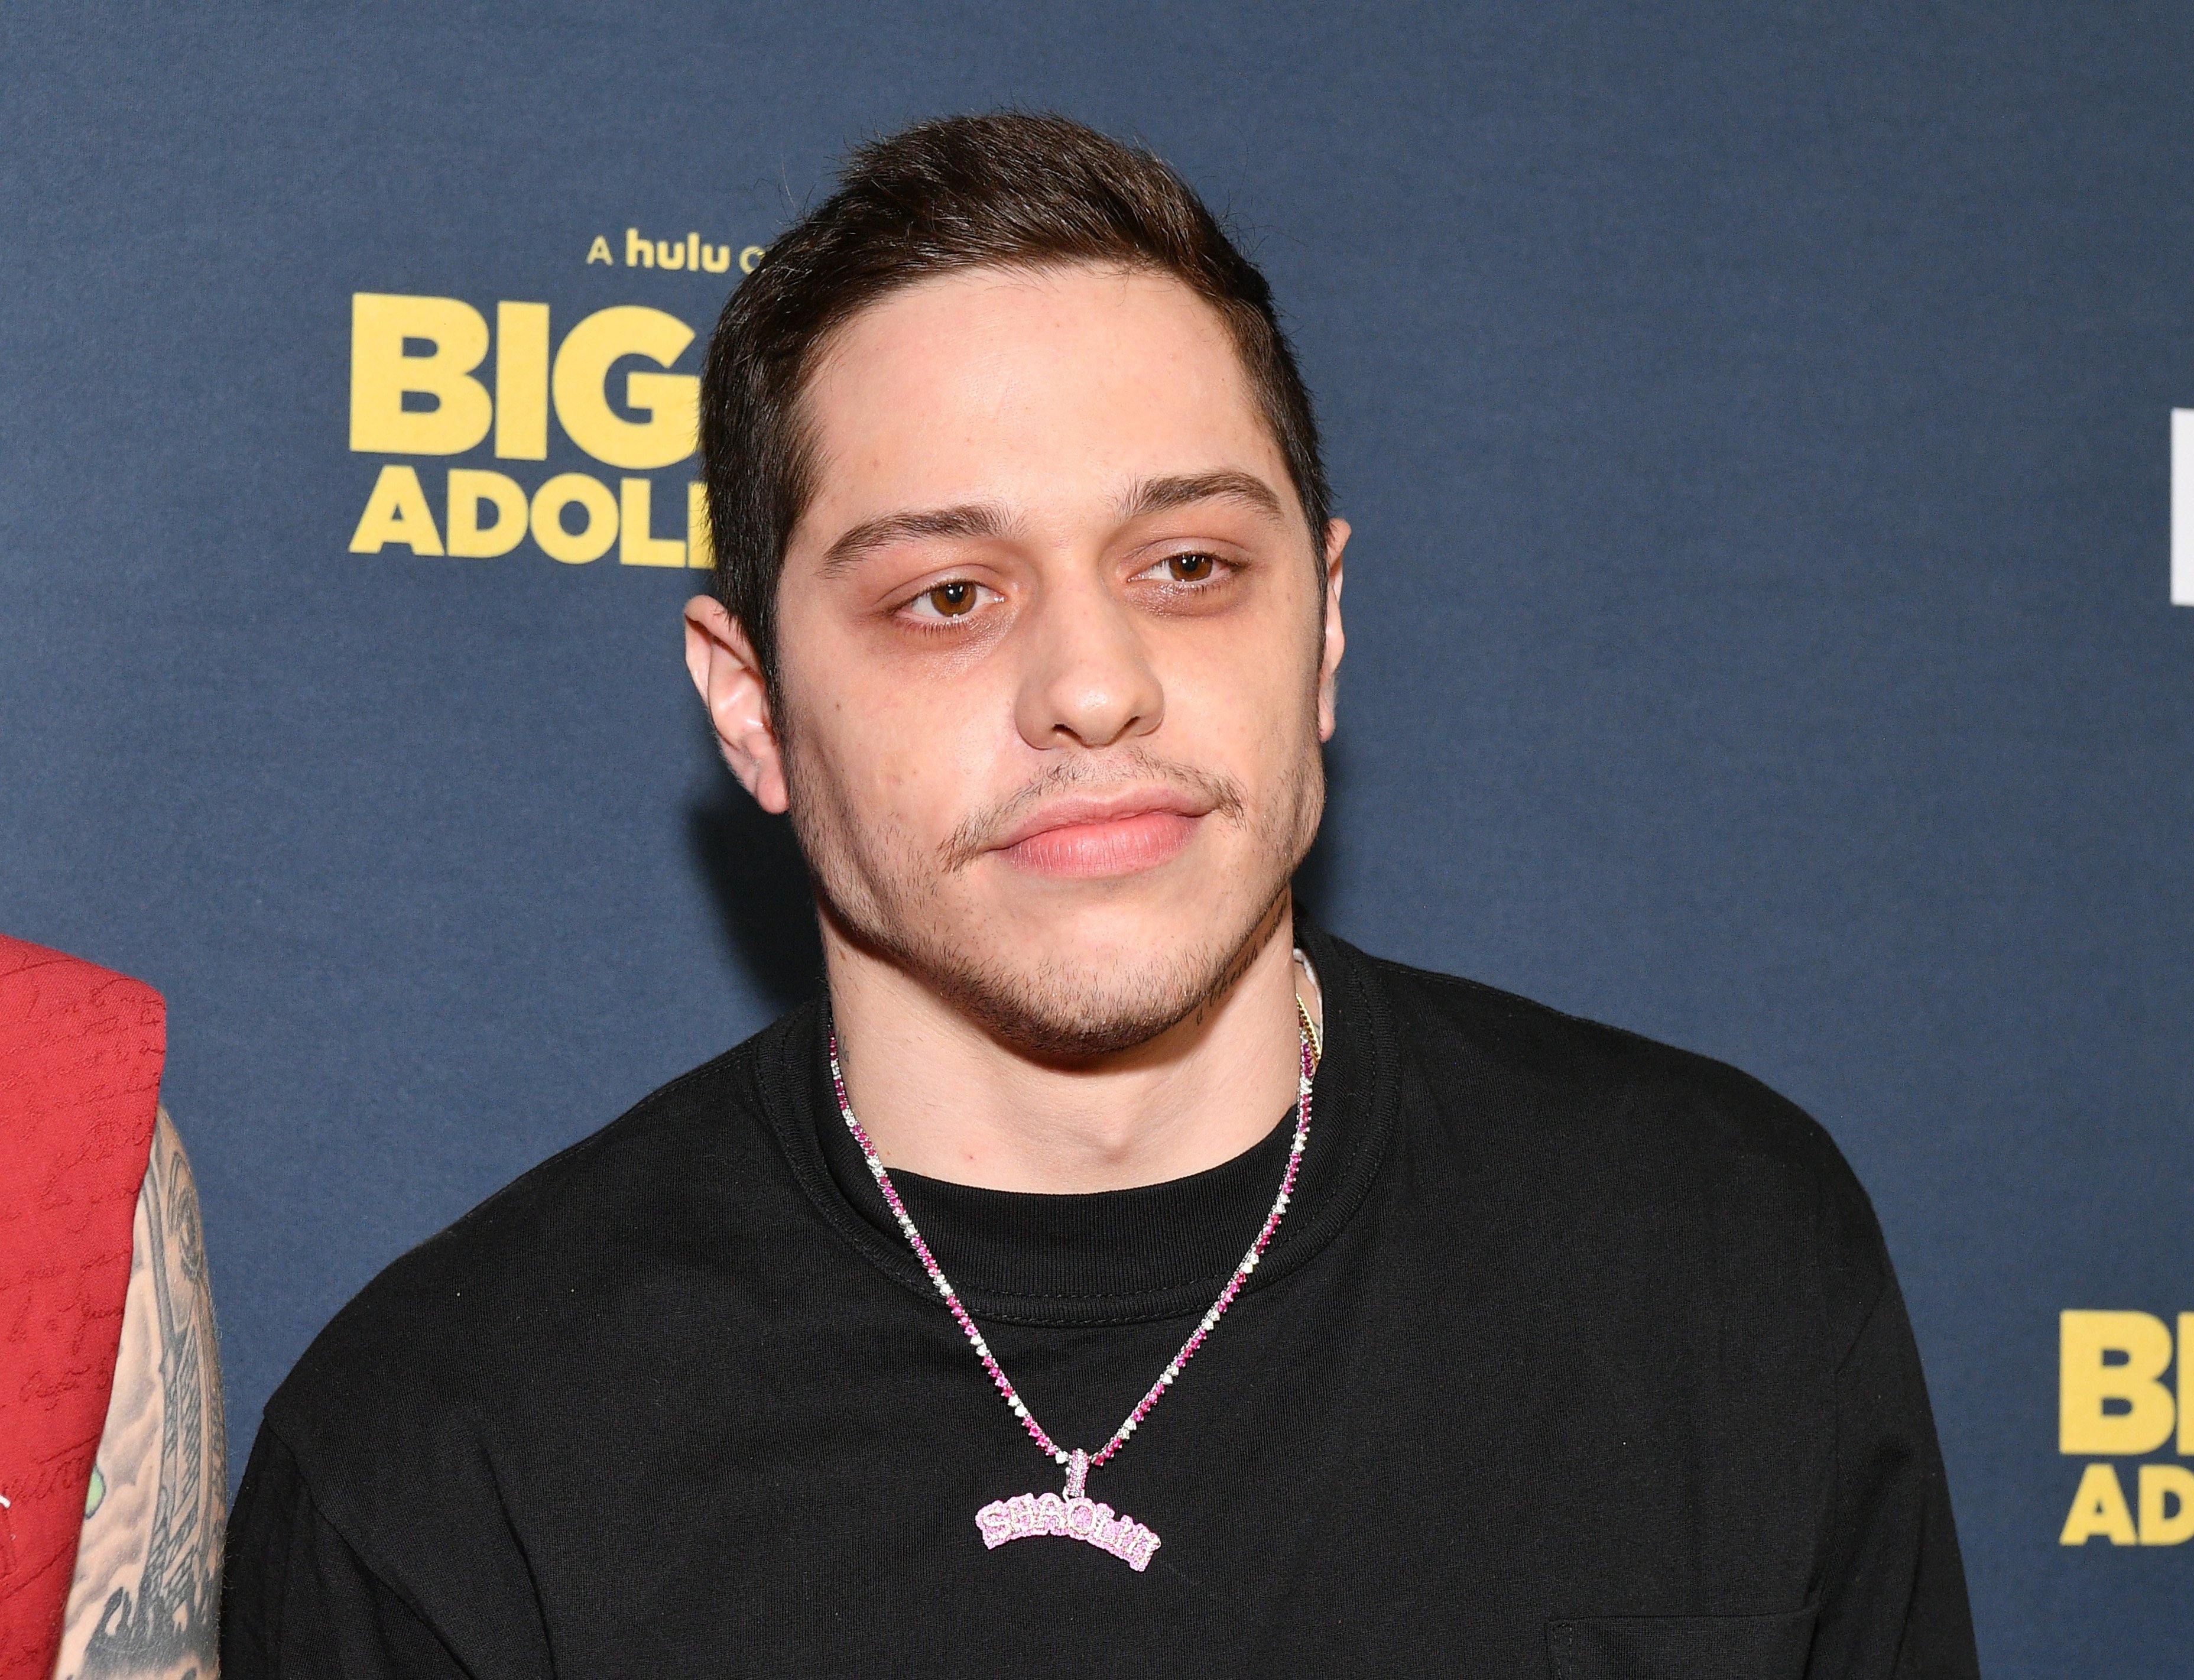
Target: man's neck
<point x="942" y="1098"/>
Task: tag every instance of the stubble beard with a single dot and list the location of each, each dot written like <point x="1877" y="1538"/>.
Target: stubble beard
<point x="893" y="897"/>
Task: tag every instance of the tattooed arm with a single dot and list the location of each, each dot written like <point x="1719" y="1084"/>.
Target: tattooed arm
<point x="148" y="1566"/>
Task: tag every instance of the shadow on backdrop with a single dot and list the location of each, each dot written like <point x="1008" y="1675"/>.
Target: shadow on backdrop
<point x="759" y="885"/>
<point x="1320" y="869"/>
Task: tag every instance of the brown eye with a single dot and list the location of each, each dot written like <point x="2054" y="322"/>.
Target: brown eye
<point x="1191" y="569"/>
<point x="953" y="601"/>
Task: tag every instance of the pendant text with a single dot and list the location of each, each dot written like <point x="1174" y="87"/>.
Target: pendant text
<point x="1028" y="1515"/>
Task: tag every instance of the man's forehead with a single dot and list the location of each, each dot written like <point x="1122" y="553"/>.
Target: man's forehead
<point x="1008" y="387"/>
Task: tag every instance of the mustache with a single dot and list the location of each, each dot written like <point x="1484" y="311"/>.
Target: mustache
<point x="1129" y="768"/>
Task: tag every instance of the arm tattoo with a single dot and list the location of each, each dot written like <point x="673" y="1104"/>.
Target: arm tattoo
<point x="147" y="1579"/>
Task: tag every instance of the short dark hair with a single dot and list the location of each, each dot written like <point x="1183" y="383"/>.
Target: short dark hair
<point x="1010" y="190"/>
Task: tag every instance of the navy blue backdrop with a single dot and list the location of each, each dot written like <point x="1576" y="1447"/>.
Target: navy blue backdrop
<point x="1755" y="423"/>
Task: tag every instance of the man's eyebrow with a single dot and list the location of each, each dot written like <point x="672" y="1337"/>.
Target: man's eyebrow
<point x="975" y="519"/>
<point x="1158" y="495"/>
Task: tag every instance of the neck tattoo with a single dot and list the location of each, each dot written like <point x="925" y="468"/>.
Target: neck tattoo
<point x="1073" y="1515"/>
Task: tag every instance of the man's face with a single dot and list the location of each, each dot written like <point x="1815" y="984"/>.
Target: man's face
<point x="1056" y="652"/>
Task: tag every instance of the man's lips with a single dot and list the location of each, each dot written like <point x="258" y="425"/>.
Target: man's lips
<point x="1118" y="835"/>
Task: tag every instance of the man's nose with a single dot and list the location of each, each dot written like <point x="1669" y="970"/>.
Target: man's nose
<point x="1088" y="681"/>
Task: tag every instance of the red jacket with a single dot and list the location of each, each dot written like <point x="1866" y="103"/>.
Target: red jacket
<point x="80" y="1057"/>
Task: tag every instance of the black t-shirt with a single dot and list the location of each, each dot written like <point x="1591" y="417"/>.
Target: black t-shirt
<point x="1575" y="1356"/>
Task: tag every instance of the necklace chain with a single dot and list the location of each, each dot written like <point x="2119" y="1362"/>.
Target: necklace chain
<point x="1240" y="1275"/>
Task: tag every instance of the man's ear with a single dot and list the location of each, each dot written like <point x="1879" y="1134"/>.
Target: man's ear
<point x="729" y="677"/>
<point x="1336" y="541"/>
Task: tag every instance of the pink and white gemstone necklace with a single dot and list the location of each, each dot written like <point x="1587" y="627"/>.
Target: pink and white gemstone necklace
<point x="1073" y="1515"/>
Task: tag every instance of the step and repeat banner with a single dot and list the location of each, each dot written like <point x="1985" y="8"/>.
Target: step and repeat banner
<point x="1760" y="435"/>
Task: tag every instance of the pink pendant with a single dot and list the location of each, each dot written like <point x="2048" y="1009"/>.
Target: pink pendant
<point x="1073" y="1514"/>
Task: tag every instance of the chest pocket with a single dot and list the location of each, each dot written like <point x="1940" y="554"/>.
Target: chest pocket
<point x="1681" y="1648"/>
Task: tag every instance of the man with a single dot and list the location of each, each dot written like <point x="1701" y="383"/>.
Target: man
<point x="112" y="1457"/>
<point x="142" y="1603"/>
<point x="1027" y="1307"/>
